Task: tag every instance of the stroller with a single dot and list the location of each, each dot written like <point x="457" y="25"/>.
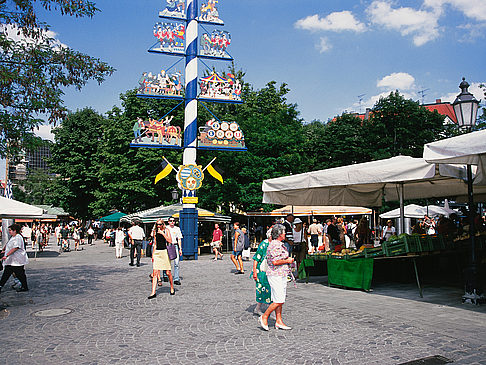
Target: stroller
<point x="65" y="245"/>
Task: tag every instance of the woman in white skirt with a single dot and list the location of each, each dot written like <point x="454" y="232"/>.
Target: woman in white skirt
<point x="160" y="257"/>
<point x="278" y="262"/>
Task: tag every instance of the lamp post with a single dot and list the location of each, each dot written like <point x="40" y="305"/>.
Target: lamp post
<point x="466" y="109"/>
<point x="175" y="195"/>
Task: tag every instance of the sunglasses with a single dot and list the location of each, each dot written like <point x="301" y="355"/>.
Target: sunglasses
<point x="171" y="221"/>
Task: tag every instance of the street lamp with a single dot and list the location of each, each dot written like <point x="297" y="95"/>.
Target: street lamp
<point x="175" y="194"/>
<point x="466" y="109"/>
<point x="465" y="106"/>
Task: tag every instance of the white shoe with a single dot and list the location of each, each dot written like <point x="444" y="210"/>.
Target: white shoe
<point x="282" y="327"/>
<point x="265" y="327"/>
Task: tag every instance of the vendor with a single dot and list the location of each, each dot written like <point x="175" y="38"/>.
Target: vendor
<point x="388" y="231"/>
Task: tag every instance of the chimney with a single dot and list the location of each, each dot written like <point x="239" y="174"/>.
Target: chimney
<point x="367" y="114"/>
<point x="438" y="101"/>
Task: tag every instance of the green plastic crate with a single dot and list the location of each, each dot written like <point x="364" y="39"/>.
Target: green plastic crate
<point x="394" y="248"/>
<point x="373" y="252"/>
<point x="413" y="243"/>
<point x="426" y="244"/>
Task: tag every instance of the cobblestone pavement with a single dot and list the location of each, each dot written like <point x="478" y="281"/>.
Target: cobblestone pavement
<point x="210" y="320"/>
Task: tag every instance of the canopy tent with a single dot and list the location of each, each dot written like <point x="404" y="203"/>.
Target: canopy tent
<point x="306" y="210"/>
<point x="54" y="211"/>
<point x="114" y="217"/>
<point x="164" y="212"/>
<point x="417" y="211"/>
<point x="469" y="149"/>
<point x="10" y="208"/>
<point x="367" y="183"/>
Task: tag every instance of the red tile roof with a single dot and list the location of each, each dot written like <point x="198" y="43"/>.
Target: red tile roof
<point x="442" y="108"/>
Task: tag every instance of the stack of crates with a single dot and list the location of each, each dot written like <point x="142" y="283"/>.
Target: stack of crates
<point x="394" y="248"/>
<point x="373" y="252"/>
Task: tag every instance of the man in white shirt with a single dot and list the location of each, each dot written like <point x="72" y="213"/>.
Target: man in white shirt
<point x="136" y="234"/>
<point x="57" y="231"/>
<point x="176" y="235"/>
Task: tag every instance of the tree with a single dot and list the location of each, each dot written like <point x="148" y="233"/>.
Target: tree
<point x="39" y="188"/>
<point x="75" y="157"/>
<point x="34" y="68"/>
<point x="398" y="126"/>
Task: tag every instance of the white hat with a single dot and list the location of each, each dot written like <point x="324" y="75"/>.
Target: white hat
<point x="297" y="221"/>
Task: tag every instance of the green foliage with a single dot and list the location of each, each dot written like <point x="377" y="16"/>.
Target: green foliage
<point x="35" y="68"/>
<point x="39" y="188"/>
<point x="398" y="126"/>
<point x="76" y="158"/>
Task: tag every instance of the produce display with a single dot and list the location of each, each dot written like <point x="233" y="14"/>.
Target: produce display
<point x="404" y="244"/>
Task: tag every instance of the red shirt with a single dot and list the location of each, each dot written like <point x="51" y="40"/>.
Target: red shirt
<point x="217" y="235"/>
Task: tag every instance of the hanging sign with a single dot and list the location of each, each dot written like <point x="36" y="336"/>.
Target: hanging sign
<point x="209" y="12"/>
<point x="170" y="36"/>
<point x="216" y="87"/>
<point x="175" y="9"/>
<point x="162" y="84"/>
<point x="221" y="135"/>
<point x="215" y="44"/>
<point x="190" y="177"/>
<point x="156" y="133"/>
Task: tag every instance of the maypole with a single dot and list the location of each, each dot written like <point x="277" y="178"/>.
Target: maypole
<point x="184" y="21"/>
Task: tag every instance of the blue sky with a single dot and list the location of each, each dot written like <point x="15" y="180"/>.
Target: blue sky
<point x="327" y="51"/>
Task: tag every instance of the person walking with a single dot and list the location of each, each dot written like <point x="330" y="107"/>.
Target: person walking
<point x="278" y="261"/>
<point x="263" y="291"/>
<point x="160" y="257"/>
<point x="216" y="242"/>
<point x="238" y="246"/>
<point x="57" y="232"/>
<point x="136" y="234"/>
<point x="91" y="233"/>
<point x="314" y="232"/>
<point x="15" y="258"/>
<point x="119" y="238"/>
<point x="76" y="238"/>
<point x="176" y="239"/>
<point x="299" y="250"/>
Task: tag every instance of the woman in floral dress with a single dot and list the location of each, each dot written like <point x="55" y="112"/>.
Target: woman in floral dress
<point x="263" y="293"/>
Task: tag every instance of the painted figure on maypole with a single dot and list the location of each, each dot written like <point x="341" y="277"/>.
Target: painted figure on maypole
<point x="178" y="35"/>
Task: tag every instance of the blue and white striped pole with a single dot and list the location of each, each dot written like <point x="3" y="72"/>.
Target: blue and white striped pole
<point x="189" y="212"/>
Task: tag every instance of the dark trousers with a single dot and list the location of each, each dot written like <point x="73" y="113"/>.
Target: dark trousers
<point x="19" y="273"/>
<point x="90" y="239"/>
<point x="137" y="245"/>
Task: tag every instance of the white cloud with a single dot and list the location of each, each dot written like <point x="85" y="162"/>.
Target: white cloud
<point x="323" y="45"/>
<point x="421" y="24"/>
<point x="336" y="22"/>
<point x="397" y="80"/>
<point x="474" y="9"/>
<point x="45" y="132"/>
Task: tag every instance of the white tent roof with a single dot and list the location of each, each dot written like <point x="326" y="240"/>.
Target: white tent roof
<point x="417" y="211"/>
<point x="367" y="183"/>
<point x="10" y="208"/>
<point x="303" y="210"/>
<point x="468" y="148"/>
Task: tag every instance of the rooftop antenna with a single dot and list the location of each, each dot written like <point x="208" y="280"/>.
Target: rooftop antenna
<point x="423" y="94"/>
<point x="360" y="101"/>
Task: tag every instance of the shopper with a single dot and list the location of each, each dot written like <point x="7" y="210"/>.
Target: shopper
<point x="119" y="238"/>
<point x="160" y="257"/>
<point x="278" y="262"/>
<point x="176" y="239"/>
<point x="238" y="246"/>
<point x="388" y="231"/>
<point x="136" y="234"/>
<point x="263" y="291"/>
<point x="15" y="258"/>
<point x="217" y="241"/>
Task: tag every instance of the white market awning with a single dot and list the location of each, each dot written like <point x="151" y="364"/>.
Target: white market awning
<point x="10" y="208"/>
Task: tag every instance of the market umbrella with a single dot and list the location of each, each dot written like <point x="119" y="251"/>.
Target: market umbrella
<point x="305" y="210"/>
<point x="10" y="208"/>
<point x="115" y="217"/>
<point x="417" y="211"/>
<point x="368" y="183"/>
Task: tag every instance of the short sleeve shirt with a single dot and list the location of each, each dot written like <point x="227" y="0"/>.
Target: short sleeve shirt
<point x="217" y="235"/>
<point x="277" y="251"/>
<point x="136" y="233"/>
<point x="175" y="234"/>
<point x="19" y="257"/>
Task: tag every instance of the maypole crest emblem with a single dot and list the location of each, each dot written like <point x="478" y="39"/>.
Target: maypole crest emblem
<point x="190" y="177"/>
<point x="174" y="9"/>
<point x="209" y="12"/>
<point x="215" y="44"/>
<point x="162" y="84"/>
<point x="215" y="87"/>
<point x="171" y="37"/>
<point x="221" y="135"/>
